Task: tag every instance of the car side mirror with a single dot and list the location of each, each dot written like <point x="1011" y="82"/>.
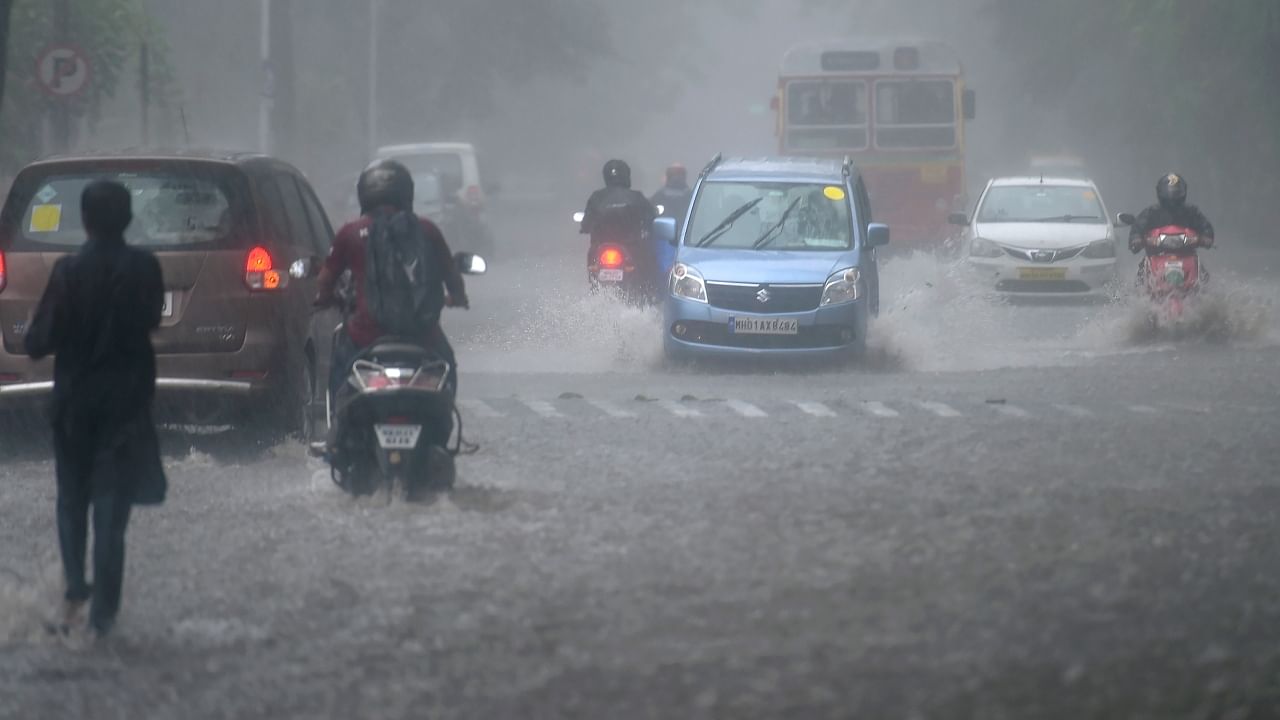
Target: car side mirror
<point x="664" y="230"/>
<point x="970" y="102"/>
<point x="959" y="219"/>
<point x="470" y="264"/>
<point x="877" y="235"/>
<point x="1126" y="219"/>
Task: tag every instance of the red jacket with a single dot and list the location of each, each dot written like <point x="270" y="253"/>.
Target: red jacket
<point x="348" y="253"/>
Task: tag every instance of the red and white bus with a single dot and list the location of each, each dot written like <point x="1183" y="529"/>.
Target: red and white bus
<point x="898" y="109"/>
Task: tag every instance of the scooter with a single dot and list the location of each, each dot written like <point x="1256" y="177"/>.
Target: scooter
<point x="1173" y="274"/>
<point x="394" y="417"/>
<point x="613" y="266"/>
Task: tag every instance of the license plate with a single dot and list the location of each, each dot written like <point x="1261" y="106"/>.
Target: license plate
<point x="614" y="276"/>
<point x="1042" y="273"/>
<point x="166" y="310"/>
<point x="398" y="437"/>
<point x="764" y="326"/>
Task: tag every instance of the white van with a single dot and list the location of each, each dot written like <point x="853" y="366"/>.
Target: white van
<point x="454" y="159"/>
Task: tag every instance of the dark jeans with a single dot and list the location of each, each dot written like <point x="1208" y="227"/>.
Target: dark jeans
<point x="345" y="353"/>
<point x="110" y="519"/>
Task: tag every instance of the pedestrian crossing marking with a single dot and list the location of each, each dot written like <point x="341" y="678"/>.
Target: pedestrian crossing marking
<point x="680" y="410"/>
<point x="879" y="409"/>
<point x="610" y="409"/>
<point x="940" y="409"/>
<point x="746" y="409"/>
<point x="816" y="409"/>
<point x="543" y="408"/>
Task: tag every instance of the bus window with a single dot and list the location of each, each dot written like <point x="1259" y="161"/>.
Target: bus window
<point x="915" y="114"/>
<point x="827" y="115"/>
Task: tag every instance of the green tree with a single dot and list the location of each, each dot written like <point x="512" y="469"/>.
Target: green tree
<point x="108" y="31"/>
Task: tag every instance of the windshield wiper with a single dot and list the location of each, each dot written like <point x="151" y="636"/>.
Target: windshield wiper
<point x="727" y="223"/>
<point x="1066" y="218"/>
<point x="767" y="237"/>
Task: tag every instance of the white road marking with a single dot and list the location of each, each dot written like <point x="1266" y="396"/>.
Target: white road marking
<point x="679" y="410"/>
<point x="543" y="408"/>
<point x="1012" y="411"/>
<point x="816" y="409"/>
<point x="610" y="409"/>
<point x="746" y="409"/>
<point x="879" y="409"/>
<point x="1075" y="411"/>
<point x="480" y="408"/>
<point x="1143" y="410"/>
<point x="940" y="409"/>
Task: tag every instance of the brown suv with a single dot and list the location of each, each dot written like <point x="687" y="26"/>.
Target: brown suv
<point x="240" y="238"/>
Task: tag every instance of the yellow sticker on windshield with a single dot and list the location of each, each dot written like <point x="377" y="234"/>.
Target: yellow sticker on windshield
<point x="46" y="218"/>
<point x="834" y="193"/>
<point x="1090" y="195"/>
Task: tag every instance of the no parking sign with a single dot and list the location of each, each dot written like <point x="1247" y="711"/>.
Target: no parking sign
<point x="63" y="71"/>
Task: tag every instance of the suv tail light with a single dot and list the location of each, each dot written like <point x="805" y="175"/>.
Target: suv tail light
<point x="474" y="196"/>
<point x="260" y="271"/>
<point x="4" y="274"/>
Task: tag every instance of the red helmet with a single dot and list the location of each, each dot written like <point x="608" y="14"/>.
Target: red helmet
<point x="677" y="175"/>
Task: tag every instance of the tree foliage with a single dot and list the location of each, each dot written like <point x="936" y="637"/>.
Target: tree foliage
<point x="1168" y="83"/>
<point x="107" y="31"/>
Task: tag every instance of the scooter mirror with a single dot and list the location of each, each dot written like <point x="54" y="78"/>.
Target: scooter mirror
<point x="470" y="264"/>
<point x="578" y="216"/>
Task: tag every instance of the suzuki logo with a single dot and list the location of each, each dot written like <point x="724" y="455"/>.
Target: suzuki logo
<point x="764" y="295"/>
<point x="1042" y="256"/>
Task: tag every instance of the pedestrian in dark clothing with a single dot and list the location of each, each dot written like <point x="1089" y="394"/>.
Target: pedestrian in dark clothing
<point x="96" y="318"/>
<point x="675" y="195"/>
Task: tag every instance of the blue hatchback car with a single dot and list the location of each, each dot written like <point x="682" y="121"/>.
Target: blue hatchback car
<point x="775" y="256"/>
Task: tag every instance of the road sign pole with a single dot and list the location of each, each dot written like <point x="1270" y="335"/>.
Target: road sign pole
<point x="61" y="120"/>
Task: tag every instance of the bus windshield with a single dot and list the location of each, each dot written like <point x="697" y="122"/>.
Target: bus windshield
<point x="915" y="113"/>
<point x="827" y="114"/>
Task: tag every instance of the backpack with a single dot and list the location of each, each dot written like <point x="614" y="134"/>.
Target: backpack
<point x="403" y="282"/>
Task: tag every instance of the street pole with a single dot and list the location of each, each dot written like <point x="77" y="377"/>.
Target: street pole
<point x="61" y="119"/>
<point x="374" y="8"/>
<point x="144" y="91"/>
<point x="268" y="83"/>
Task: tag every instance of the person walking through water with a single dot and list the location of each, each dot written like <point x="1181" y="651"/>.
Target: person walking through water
<point x="96" y="318"/>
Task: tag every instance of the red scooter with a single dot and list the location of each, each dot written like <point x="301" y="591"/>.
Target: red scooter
<point x="1173" y="274"/>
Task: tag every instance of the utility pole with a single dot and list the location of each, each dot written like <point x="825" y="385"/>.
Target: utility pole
<point x="284" y="130"/>
<point x="61" y="119"/>
<point x="267" y="99"/>
<point x="144" y="91"/>
<point x="375" y="7"/>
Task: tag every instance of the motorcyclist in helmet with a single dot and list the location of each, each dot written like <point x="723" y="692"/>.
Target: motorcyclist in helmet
<point x="385" y="191"/>
<point x="675" y="195"/>
<point x="1172" y="209"/>
<point x="616" y="213"/>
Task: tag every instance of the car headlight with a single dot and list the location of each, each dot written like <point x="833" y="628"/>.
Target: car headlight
<point x="841" y="287"/>
<point x="1100" y="249"/>
<point x="984" y="248"/>
<point x="688" y="283"/>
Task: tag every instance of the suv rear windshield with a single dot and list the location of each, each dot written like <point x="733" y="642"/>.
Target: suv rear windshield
<point x="175" y="205"/>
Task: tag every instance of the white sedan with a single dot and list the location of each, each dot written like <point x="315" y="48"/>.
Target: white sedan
<point x="1038" y="236"/>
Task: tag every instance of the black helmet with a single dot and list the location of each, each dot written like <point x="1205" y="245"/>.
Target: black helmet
<point x="385" y="183"/>
<point x="617" y="174"/>
<point x="1172" y="191"/>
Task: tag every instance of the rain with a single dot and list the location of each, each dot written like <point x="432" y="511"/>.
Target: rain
<point x="932" y="404"/>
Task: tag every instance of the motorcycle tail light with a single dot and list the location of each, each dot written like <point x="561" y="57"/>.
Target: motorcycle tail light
<point x="611" y="257"/>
